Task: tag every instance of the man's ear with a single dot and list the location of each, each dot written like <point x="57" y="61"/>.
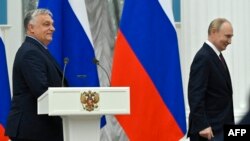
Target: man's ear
<point x="30" y="28"/>
<point x="214" y="30"/>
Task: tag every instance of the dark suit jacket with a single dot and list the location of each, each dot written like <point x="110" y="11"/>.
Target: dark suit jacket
<point x="34" y="71"/>
<point x="209" y="92"/>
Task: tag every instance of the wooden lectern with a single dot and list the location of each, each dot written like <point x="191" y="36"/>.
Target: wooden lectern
<point x="82" y="107"/>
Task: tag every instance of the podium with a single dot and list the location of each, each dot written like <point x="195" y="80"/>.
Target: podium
<point x="82" y="107"/>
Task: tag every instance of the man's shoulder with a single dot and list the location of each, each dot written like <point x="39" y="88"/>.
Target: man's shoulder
<point x="28" y="49"/>
<point x="29" y="41"/>
<point x="203" y="52"/>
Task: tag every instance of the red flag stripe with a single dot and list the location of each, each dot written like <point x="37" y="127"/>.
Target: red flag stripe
<point x="127" y="71"/>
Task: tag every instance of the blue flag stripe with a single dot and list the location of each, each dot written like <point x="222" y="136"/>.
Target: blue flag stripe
<point x="4" y="86"/>
<point x="71" y="41"/>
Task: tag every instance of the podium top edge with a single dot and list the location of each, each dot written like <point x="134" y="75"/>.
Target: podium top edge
<point x="89" y="88"/>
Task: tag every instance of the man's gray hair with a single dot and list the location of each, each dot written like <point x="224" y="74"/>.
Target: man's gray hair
<point x="30" y="16"/>
<point x="216" y="24"/>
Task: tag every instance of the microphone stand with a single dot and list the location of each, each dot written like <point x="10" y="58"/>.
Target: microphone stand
<point x="95" y="61"/>
<point x="66" y="60"/>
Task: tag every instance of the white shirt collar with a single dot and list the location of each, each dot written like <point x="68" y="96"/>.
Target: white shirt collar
<point x="213" y="47"/>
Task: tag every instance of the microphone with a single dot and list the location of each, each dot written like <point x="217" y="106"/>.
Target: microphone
<point x="95" y="61"/>
<point x="65" y="61"/>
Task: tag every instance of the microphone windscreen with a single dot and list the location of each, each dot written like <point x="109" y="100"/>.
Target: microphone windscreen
<point x="95" y="61"/>
<point x="66" y="60"/>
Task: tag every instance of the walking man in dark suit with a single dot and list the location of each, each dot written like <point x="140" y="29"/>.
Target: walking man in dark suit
<point x="209" y="89"/>
<point x="34" y="71"/>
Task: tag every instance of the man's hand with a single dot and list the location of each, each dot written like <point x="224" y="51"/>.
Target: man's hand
<point x="207" y="133"/>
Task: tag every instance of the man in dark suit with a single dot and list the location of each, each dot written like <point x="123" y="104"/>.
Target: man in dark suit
<point x="210" y="89"/>
<point x="34" y="71"/>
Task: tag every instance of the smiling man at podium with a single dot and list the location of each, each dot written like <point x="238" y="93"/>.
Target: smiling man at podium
<point x="34" y="71"/>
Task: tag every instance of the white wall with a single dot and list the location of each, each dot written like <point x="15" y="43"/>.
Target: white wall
<point x="195" y="18"/>
<point x="192" y="32"/>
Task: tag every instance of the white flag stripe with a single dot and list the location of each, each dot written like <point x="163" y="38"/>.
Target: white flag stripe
<point x="167" y="7"/>
<point x="80" y="11"/>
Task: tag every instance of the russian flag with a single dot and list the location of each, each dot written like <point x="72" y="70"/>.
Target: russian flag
<point x="5" y="91"/>
<point x="146" y="58"/>
<point x="72" y="39"/>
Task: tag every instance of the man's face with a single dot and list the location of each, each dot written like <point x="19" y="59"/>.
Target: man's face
<point x="42" y="28"/>
<point x="223" y="36"/>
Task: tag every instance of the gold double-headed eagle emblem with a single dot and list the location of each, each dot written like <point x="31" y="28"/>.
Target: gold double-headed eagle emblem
<point x="89" y="100"/>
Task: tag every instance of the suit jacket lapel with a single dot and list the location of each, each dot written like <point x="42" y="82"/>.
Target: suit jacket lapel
<point x="225" y="72"/>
